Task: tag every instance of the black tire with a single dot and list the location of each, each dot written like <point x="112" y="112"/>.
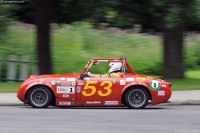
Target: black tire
<point x="136" y="98"/>
<point x="39" y="97"/>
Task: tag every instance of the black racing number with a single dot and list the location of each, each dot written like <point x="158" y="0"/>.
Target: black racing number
<point x="155" y="85"/>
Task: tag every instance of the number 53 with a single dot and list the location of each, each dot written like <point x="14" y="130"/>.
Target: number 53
<point x="90" y="86"/>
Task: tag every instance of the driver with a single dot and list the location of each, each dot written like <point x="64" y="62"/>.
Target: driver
<point x="114" y="71"/>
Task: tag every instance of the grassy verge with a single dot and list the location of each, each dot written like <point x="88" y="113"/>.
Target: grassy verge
<point x="73" y="45"/>
<point x="191" y="82"/>
<point x="9" y="87"/>
<point x="193" y="74"/>
<point x="185" y="84"/>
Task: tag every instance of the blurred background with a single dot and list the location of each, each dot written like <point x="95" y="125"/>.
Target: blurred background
<point x="158" y="38"/>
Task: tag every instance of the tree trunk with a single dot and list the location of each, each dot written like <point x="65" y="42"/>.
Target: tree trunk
<point x="173" y="52"/>
<point x="43" y="36"/>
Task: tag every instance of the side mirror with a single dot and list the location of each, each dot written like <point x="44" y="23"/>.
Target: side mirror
<point x="83" y="75"/>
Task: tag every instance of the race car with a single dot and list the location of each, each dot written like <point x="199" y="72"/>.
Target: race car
<point x="77" y="89"/>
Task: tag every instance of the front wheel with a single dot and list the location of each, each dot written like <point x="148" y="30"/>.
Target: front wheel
<point x="39" y="97"/>
<point x="136" y="98"/>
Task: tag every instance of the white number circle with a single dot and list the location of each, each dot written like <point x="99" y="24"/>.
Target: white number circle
<point x="155" y="85"/>
<point x="73" y="83"/>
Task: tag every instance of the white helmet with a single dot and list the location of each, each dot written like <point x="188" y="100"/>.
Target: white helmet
<point x="114" y="66"/>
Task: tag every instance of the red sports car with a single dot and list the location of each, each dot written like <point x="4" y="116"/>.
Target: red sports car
<point x="130" y="89"/>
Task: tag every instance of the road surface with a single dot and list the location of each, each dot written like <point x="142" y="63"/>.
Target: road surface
<point x="153" y="119"/>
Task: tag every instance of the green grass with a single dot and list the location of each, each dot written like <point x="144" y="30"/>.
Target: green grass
<point x="9" y="87"/>
<point x="73" y="45"/>
<point x="191" y="82"/>
<point x="185" y="84"/>
<point x="193" y="74"/>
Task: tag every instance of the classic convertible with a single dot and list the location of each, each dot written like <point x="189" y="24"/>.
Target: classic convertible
<point x="77" y="89"/>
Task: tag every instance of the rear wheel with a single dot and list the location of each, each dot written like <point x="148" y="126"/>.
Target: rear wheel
<point x="39" y="97"/>
<point x="136" y="98"/>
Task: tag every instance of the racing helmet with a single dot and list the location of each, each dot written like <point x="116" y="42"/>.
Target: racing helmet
<point x="114" y="66"/>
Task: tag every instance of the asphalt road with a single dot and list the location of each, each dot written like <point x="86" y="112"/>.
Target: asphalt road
<point x="153" y="119"/>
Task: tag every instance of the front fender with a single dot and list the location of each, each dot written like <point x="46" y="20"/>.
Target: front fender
<point x="23" y="89"/>
<point x="133" y="84"/>
<point x="38" y="83"/>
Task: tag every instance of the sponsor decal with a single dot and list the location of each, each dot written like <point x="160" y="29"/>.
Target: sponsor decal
<point x="161" y="93"/>
<point x="129" y="79"/>
<point x="62" y="78"/>
<point x="65" y="103"/>
<point x="140" y="79"/>
<point x="122" y="82"/>
<point x="65" y="95"/>
<point x="58" y="82"/>
<point x="70" y="79"/>
<point x="86" y="78"/>
<point x="164" y="85"/>
<point x="114" y="81"/>
<point x="63" y="89"/>
<point x="65" y="83"/>
<point x="93" y="102"/>
<point x="42" y="79"/>
<point x="111" y="102"/>
<point x="78" y="89"/>
<point x="53" y="82"/>
<point x="81" y="83"/>
<point x="154" y="85"/>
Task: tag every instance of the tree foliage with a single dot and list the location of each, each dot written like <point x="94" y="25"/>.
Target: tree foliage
<point x="4" y="18"/>
<point x="118" y="13"/>
<point x="172" y="17"/>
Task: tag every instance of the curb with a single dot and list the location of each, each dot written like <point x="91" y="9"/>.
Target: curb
<point x="12" y="104"/>
<point x="182" y="102"/>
